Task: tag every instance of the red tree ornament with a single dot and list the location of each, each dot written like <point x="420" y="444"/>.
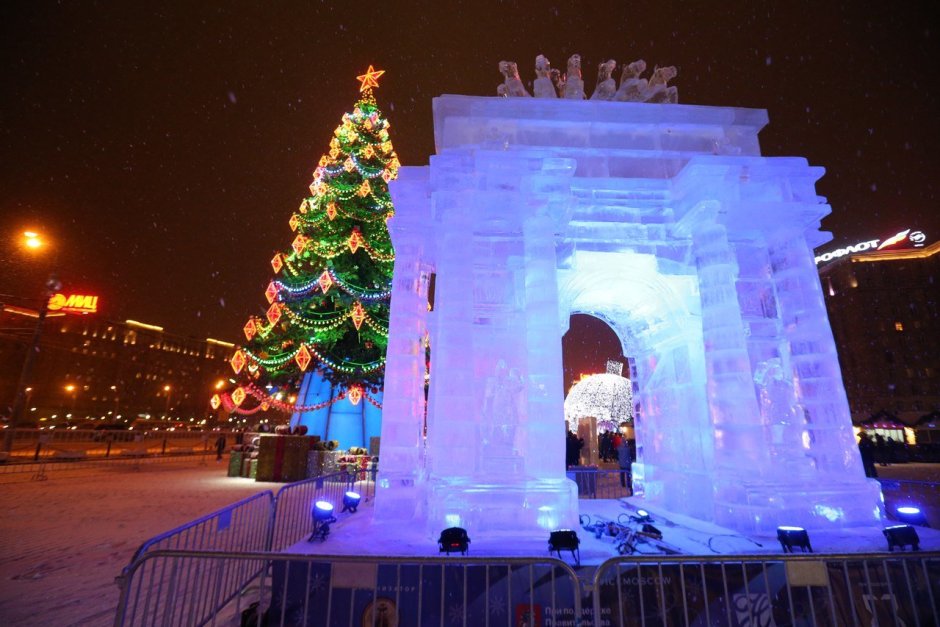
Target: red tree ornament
<point x="238" y="361"/>
<point x="238" y="396"/>
<point x="358" y="314"/>
<point x="274" y="313"/>
<point x="303" y="357"/>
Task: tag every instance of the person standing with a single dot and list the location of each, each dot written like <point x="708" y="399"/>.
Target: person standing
<point x="616" y="439"/>
<point x="624" y="459"/>
<point x="219" y="447"/>
<point x="866" y="449"/>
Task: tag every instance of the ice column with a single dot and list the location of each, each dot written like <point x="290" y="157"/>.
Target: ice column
<point x="771" y="365"/>
<point x="399" y="491"/>
<point x="740" y="453"/>
<point x="543" y="351"/>
<point x="829" y="439"/>
<point x="818" y="381"/>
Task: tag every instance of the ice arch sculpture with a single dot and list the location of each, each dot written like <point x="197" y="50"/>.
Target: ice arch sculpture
<point x="664" y="220"/>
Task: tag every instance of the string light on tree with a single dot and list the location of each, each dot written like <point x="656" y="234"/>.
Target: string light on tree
<point x="336" y="269"/>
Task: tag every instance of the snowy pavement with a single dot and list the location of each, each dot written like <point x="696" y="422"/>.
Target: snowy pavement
<point x="63" y="541"/>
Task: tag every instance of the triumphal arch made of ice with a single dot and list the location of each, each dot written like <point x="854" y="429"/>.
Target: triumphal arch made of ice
<point x="665" y="221"/>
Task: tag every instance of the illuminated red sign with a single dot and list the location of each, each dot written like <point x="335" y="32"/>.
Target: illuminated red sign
<point x="73" y="303"/>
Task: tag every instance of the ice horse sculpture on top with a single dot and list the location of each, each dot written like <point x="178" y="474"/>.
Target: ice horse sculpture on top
<point x="551" y="83"/>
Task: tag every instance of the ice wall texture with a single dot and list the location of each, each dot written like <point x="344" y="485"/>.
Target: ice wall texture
<point x="666" y="222"/>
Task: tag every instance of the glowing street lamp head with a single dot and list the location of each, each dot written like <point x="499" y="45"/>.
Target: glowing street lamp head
<point x="69" y="388"/>
<point x="166" y="388"/>
<point x="32" y="240"/>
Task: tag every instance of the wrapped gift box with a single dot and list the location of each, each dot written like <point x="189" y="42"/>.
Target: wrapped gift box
<point x="235" y="463"/>
<point x="283" y="457"/>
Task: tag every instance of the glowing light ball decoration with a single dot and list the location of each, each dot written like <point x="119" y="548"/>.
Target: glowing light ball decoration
<point x="606" y="397"/>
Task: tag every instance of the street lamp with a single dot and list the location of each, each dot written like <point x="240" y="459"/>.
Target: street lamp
<point x="70" y="388"/>
<point x="32" y="242"/>
<point x="166" y="390"/>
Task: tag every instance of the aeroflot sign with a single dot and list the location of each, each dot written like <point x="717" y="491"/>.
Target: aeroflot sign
<point x="914" y="239"/>
<point x="73" y="303"/>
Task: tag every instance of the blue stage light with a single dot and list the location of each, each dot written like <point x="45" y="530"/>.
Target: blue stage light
<point x="793" y="538"/>
<point x="642" y="516"/>
<point x="322" y="510"/>
<point x="454" y="539"/>
<point x="911" y="515"/>
<point x="565" y="540"/>
<point x="901" y="536"/>
<point x="351" y="501"/>
<point x="322" y="515"/>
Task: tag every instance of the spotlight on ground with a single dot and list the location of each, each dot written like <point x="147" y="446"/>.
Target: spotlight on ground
<point x="322" y="515"/>
<point x="911" y="515"/>
<point x="454" y="539"/>
<point x="901" y="536"/>
<point x="794" y="538"/>
<point x="565" y="540"/>
<point x="642" y="516"/>
<point x="351" y="501"/>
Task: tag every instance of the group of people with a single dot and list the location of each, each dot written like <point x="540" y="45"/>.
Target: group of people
<point x="612" y="446"/>
<point x="608" y="442"/>
<point x="878" y="450"/>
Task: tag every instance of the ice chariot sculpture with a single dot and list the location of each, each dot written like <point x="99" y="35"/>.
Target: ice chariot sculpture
<point x="665" y="221"/>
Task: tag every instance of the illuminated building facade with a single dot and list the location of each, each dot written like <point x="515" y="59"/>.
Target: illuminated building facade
<point x="885" y="315"/>
<point x="93" y="371"/>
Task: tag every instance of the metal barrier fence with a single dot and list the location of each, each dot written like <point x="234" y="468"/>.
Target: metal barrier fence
<point x="77" y="444"/>
<point x="599" y="483"/>
<point x="325" y="590"/>
<point x="292" y="504"/>
<point x="260" y="523"/>
<point x="242" y="526"/>
<point x="195" y="588"/>
<point x="40" y="470"/>
<point x="870" y="589"/>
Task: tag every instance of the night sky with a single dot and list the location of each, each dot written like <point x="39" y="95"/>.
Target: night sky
<point x="163" y="146"/>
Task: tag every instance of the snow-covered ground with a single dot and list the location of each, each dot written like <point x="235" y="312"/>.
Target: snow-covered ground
<point x="63" y="541"/>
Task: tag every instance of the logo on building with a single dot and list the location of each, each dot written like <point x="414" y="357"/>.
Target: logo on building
<point x="73" y="303"/>
<point x="913" y="239"/>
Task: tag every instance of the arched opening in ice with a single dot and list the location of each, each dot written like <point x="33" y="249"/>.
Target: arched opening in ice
<point x="656" y="317"/>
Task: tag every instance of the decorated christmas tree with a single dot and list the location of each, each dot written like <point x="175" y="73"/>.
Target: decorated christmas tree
<point x="326" y="322"/>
